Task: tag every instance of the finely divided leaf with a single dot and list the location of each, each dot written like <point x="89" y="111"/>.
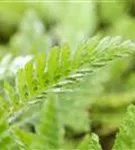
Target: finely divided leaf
<point x="62" y="69"/>
<point x="125" y="139"/>
<point x="90" y="142"/>
<point x="50" y="129"/>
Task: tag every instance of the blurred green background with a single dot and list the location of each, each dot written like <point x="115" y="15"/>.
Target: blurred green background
<point x="28" y="28"/>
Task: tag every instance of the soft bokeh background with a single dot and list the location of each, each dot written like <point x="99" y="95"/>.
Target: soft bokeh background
<point x="28" y="28"/>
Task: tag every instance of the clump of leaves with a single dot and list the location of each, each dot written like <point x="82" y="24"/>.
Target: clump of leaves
<point x="55" y="73"/>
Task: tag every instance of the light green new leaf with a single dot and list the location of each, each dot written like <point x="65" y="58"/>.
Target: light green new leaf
<point x="23" y="139"/>
<point x="10" y="95"/>
<point x="21" y="85"/>
<point x="29" y="77"/>
<point x="58" y="72"/>
<point x="90" y="143"/>
<point x="5" y="132"/>
<point x="50" y="130"/>
<point x="125" y="138"/>
<point x="53" y="64"/>
<point x="40" y="65"/>
<point x="65" y="61"/>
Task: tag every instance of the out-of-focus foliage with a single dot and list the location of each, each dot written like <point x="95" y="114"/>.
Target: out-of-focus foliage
<point x="125" y="138"/>
<point x="31" y="67"/>
<point x="28" y="40"/>
<point x="90" y="142"/>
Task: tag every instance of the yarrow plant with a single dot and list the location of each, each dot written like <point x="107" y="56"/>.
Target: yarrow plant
<point x="58" y="95"/>
<point x="54" y="74"/>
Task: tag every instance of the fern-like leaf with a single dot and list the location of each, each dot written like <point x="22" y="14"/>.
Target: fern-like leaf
<point x="125" y="138"/>
<point x="62" y="68"/>
<point x="23" y="139"/>
<point x="90" y="143"/>
<point x="50" y="130"/>
<point x="6" y="137"/>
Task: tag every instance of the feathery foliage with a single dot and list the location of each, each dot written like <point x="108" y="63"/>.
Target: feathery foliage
<point x="50" y="129"/>
<point x="90" y="143"/>
<point x="58" y="93"/>
<point x="56" y="74"/>
<point x="125" y="137"/>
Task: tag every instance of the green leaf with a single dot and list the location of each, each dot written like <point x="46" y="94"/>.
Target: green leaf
<point x="21" y="85"/>
<point x="125" y="138"/>
<point x="65" y="61"/>
<point x="10" y="94"/>
<point x="53" y="64"/>
<point x="40" y="70"/>
<point x="61" y="69"/>
<point x="29" y="77"/>
<point x="30" y="35"/>
<point x="23" y="139"/>
<point x="50" y="129"/>
<point x="5" y="132"/>
<point x="90" y="143"/>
